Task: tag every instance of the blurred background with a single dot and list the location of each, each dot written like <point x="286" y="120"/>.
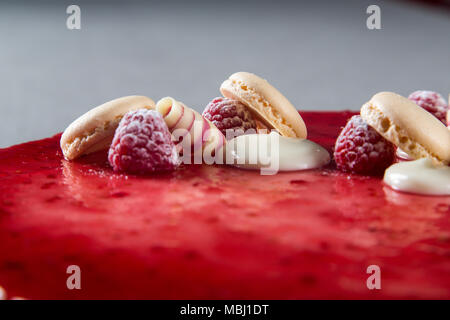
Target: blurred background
<point x="320" y="54"/>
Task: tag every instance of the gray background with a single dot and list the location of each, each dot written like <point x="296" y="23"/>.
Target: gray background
<point x="319" y="54"/>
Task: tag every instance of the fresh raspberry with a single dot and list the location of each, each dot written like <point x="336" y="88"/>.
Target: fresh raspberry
<point x="360" y="149"/>
<point x="142" y="143"/>
<point x="229" y="114"/>
<point x="431" y="101"/>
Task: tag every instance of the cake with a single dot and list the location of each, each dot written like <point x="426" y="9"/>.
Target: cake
<point x="117" y="206"/>
<point x="214" y="232"/>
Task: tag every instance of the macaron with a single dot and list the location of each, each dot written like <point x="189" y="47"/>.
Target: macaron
<point x="408" y="126"/>
<point x="266" y="102"/>
<point x="94" y="130"/>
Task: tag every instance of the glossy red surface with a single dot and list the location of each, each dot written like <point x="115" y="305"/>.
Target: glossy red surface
<point x="214" y="232"/>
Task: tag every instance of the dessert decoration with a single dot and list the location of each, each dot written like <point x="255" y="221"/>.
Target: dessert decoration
<point x="252" y="103"/>
<point x="266" y="102"/>
<point x="227" y="114"/>
<point x="360" y="149"/>
<point x="202" y="133"/>
<point x="420" y="176"/>
<point x="272" y="153"/>
<point x="402" y="155"/>
<point x="142" y="144"/>
<point x="409" y="127"/>
<point x="431" y="101"/>
<point x="94" y="130"/>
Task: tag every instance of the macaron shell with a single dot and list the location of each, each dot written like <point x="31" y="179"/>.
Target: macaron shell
<point x="266" y="101"/>
<point x="94" y="130"/>
<point x="408" y="126"/>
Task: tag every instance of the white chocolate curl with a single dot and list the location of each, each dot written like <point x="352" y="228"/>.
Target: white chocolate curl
<point x="202" y="133"/>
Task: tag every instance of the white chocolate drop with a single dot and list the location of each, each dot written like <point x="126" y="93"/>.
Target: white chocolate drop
<point x="419" y="176"/>
<point x="272" y="153"/>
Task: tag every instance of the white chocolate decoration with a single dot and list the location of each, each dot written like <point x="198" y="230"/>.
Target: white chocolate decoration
<point x="272" y="153"/>
<point x="421" y="176"/>
<point x="202" y="133"/>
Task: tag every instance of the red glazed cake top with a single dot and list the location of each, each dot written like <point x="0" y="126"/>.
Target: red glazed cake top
<point x="214" y="231"/>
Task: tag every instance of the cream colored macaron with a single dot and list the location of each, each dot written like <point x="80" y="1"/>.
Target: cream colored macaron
<point x="266" y="102"/>
<point x="408" y="126"/>
<point x="94" y="130"/>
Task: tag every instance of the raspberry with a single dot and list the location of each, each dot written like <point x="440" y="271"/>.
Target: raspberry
<point x="360" y="149"/>
<point x="431" y="101"/>
<point x="229" y="114"/>
<point x="142" y="143"/>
